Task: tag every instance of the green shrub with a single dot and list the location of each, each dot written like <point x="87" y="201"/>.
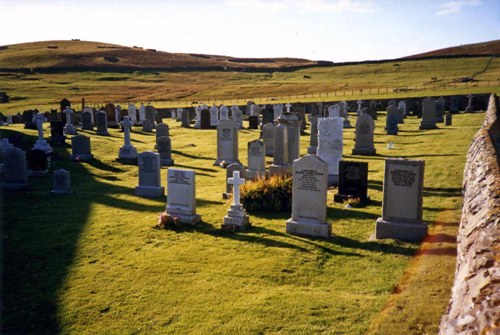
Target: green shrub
<point x="268" y="194"/>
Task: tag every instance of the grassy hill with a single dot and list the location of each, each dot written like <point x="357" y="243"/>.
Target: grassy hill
<point x="490" y="48"/>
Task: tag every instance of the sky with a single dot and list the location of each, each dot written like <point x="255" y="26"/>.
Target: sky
<point x="333" y="30"/>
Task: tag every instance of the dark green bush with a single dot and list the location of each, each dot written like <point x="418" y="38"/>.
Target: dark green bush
<point x="268" y="194"/>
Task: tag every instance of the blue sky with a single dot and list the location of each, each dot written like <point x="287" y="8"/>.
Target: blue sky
<point x="335" y="30"/>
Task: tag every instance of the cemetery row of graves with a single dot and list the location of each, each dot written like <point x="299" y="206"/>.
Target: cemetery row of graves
<point x="336" y="153"/>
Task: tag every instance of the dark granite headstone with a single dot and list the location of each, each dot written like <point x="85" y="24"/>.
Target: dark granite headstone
<point x="353" y="181"/>
<point x="57" y="132"/>
<point x="253" y="122"/>
<point x="267" y="115"/>
<point x="448" y="119"/>
<point x="205" y="119"/>
<point x="28" y="119"/>
<point x="454" y="105"/>
<point x="37" y="162"/>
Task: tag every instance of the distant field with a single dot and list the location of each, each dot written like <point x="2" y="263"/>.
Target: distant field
<point x="403" y="79"/>
<point x="91" y="262"/>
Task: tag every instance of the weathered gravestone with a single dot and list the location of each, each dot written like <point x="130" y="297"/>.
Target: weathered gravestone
<point x="38" y="164"/>
<point x="330" y="145"/>
<point x="197" y="123"/>
<point x="61" y="182"/>
<point x="372" y="110"/>
<point x="470" y="105"/>
<point x="15" y="170"/>
<point x="87" y="116"/>
<point x="214" y="116"/>
<point x="440" y="110"/>
<point x="280" y="164"/>
<point x="132" y="113"/>
<point x="277" y="110"/>
<point x="127" y="152"/>
<point x="142" y="113"/>
<point x="237" y="116"/>
<point x="110" y="111"/>
<point x="205" y="119"/>
<point x="402" y="201"/>
<point x="353" y="181"/>
<point x="162" y="129"/>
<point x="256" y="160"/>
<point x="428" y="114"/>
<point x="69" y="128"/>
<point x="164" y="147"/>
<point x="267" y="115"/>
<point x="149" y="175"/>
<point x="291" y="120"/>
<point x="229" y="173"/>
<point x="101" y="123"/>
<point x="181" y="197"/>
<point x="365" y="128"/>
<point x="227" y="144"/>
<point x="310" y="178"/>
<point x="224" y="112"/>
<point x="185" y="122"/>
<point x="454" y="105"/>
<point x="448" y="119"/>
<point x="313" y="136"/>
<point x="150" y="114"/>
<point x="268" y="137"/>
<point x="236" y="218"/>
<point x="334" y="110"/>
<point x="147" y="126"/>
<point x="391" y="124"/>
<point x="80" y="148"/>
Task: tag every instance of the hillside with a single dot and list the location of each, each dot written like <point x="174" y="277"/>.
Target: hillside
<point x="75" y="55"/>
<point x="490" y="48"/>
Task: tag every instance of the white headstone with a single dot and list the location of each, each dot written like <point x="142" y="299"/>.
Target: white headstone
<point x="181" y="197"/>
<point x="227" y="143"/>
<point x="236" y="218"/>
<point x="41" y="143"/>
<point x="256" y="160"/>
<point x="214" y="116"/>
<point x="224" y="112"/>
<point x="330" y="145"/>
<point x="127" y="151"/>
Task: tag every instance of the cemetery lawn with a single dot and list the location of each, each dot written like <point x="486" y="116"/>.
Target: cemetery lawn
<point x="92" y="263"/>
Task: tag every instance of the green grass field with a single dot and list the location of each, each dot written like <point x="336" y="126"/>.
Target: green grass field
<point x="91" y="262"/>
<point x="403" y="79"/>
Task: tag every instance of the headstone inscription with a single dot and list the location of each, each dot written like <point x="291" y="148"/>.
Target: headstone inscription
<point x="15" y="170"/>
<point x="80" y="148"/>
<point x="149" y="175"/>
<point x="236" y="218"/>
<point x="227" y="144"/>
<point x="181" y="195"/>
<point x="256" y="160"/>
<point x="365" y="128"/>
<point x="353" y="181"/>
<point x="310" y="177"/>
<point x="61" y="182"/>
<point x="402" y="201"/>
<point x="330" y="145"/>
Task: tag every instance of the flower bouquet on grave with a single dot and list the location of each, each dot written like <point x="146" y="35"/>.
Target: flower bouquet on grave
<point x="167" y="221"/>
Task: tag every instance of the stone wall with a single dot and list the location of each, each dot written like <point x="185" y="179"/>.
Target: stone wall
<point x="474" y="306"/>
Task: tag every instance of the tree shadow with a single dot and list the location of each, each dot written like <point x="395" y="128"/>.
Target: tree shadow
<point x="180" y="153"/>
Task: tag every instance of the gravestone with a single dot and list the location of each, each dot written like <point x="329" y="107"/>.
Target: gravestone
<point x="118" y="116"/>
<point x="365" y="128"/>
<point x="334" y="111"/>
<point x="448" y="119"/>
<point x="470" y="106"/>
<point x="69" y="128"/>
<point x="353" y="181"/>
<point x="428" y="114"/>
<point x="277" y="111"/>
<point x="224" y="112"/>
<point x="132" y="113"/>
<point x="61" y="182"/>
<point x="161" y="130"/>
<point x="237" y="116"/>
<point x="41" y="143"/>
<point x="127" y="152"/>
<point x="227" y="144"/>
<point x="15" y="170"/>
<point x="344" y="114"/>
<point x="392" y="120"/>
<point x="185" y="122"/>
<point x="38" y="164"/>
<point x="392" y="102"/>
<point x="147" y="126"/>
<point x="454" y="105"/>
<point x="87" y="123"/>
<point x="403" y="107"/>
<point x="313" y="136"/>
<point x="310" y="178"/>
<point x="402" y="201"/>
<point x="164" y="147"/>
<point x="236" y="218"/>
<point x="229" y="173"/>
<point x="149" y="175"/>
<point x="110" y="111"/>
<point x="267" y="115"/>
<point x="256" y="160"/>
<point x="330" y="145"/>
<point x="142" y="113"/>
<point x="291" y="120"/>
<point x="101" y="123"/>
<point x="214" y="116"/>
<point x="181" y="195"/>
<point x="197" y="123"/>
<point x="268" y="137"/>
<point x="150" y="114"/>
<point x="80" y="148"/>
<point x="57" y="133"/>
<point x="253" y="122"/>
<point x="360" y="107"/>
<point x="178" y="115"/>
<point x="440" y="110"/>
<point x="205" y="119"/>
<point x="28" y="116"/>
<point x="372" y="110"/>
<point x="280" y="164"/>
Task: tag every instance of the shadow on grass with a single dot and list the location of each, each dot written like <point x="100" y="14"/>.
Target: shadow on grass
<point x="428" y="191"/>
<point x="180" y="153"/>
<point x="195" y="168"/>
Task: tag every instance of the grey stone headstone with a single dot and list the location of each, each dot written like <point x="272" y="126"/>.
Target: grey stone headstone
<point x="280" y="164"/>
<point x="185" y="119"/>
<point x="132" y="113"/>
<point x="313" y="136"/>
<point x="80" y="148"/>
<point x="428" y="114"/>
<point x="181" y="195"/>
<point x="268" y="137"/>
<point x="149" y="175"/>
<point x="256" y="160"/>
<point x="292" y="123"/>
<point x="440" y="110"/>
<point x="310" y="179"/>
<point x="330" y="145"/>
<point x="147" y="126"/>
<point x="102" y="124"/>
<point x="61" y="183"/>
<point x="267" y="115"/>
<point x="164" y="147"/>
<point x="150" y="114"/>
<point x="227" y="143"/>
<point x="402" y="201"/>
<point x="365" y="128"/>
<point x="15" y="170"/>
<point x="214" y="116"/>
<point x="87" y="120"/>
<point x="392" y="120"/>
<point x="454" y="105"/>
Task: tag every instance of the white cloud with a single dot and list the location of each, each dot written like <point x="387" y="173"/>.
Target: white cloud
<point x="316" y="6"/>
<point x="260" y="5"/>
<point x="452" y="7"/>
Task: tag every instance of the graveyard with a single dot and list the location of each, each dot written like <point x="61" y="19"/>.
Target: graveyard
<point x="91" y="261"/>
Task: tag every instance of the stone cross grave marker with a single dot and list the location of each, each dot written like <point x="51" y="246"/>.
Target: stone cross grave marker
<point x="236" y="218"/>
<point x="69" y="128"/>
<point x="41" y="143"/>
<point x="229" y="173"/>
<point x="127" y="151"/>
